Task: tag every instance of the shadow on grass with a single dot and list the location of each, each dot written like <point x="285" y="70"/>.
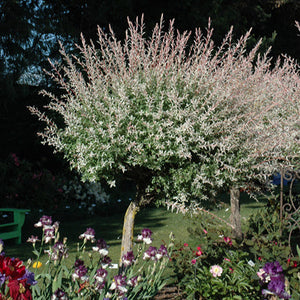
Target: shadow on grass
<point x="159" y="220"/>
<point x="107" y="228"/>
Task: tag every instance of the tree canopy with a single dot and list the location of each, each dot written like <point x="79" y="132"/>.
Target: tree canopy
<point x="30" y="31"/>
<point x="172" y="118"/>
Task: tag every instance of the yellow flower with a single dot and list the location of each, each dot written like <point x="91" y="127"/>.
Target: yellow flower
<point x="37" y="264"/>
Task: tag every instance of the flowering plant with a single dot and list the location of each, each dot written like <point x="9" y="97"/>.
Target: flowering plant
<point x="230" y="276"/>
<point x="92" y="275"/>
<point x="15" y="279"/>
<point x="219" y="268"/>
<point x="272" y="276"/>
<point x="216" y="271"/>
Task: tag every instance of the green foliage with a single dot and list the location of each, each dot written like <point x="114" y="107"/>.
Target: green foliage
<point x="265" y="240"/>
<point x="266" y="236"/>
<point x="237" y="281"/>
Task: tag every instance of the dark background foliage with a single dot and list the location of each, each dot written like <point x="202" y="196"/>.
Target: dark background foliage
<point x="30" y="30"/>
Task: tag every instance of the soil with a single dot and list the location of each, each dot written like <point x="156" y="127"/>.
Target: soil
<point x="169" y="292"/>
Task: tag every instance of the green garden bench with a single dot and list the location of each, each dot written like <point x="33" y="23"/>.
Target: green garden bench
<point x="13" y="230"/>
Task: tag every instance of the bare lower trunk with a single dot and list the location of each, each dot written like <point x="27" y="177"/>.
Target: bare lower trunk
<point x="133" y="208"/>
<point x="128" y="226"/>
<point x="235" y="217"/>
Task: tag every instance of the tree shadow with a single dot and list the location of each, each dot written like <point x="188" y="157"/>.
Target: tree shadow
<point x="108" y="228"/>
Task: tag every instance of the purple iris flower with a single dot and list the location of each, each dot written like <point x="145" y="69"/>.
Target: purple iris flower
<point x="100" y="275"/>
<point x="29" y="276"/>
<point x="101" y="247"/>
<point x="119" y="284"/>
<point x="162" y="250"/>
<point x="106" y="260"/>
<point x="146" y="233"/>
<point x="145" y="236"/>
<point x="59" y="294"/>
<point x="78" y="263"/>
<point x="44" y="221"/>
<point x="80" y="273"/>
<point x="276" y="285"/>
<point x="2" y="279"/>
<point x="88" y="235"/>
<point x="60" y="251"/>
<point x="273" y="268"/>
<point x="150" y="253"/>
<point x="133" y="281"/>
<point x="128" y="258"/>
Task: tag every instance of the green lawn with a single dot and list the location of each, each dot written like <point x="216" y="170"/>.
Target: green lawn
<point x="159" y="220"/>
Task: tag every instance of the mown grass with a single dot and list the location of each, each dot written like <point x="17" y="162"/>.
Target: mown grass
<point x="159" y="220"/>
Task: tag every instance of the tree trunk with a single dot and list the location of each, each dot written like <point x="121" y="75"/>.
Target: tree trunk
<point x="128" y="226"/>
<point x="133" y="208"/>
<point x="235" y="217"/>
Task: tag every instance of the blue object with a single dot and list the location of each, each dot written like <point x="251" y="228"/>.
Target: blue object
<point x="277" y="178"/>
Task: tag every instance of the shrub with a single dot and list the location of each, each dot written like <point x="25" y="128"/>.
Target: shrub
<point x="222" y="271"/>
<point x="25" y="185"/>
<point x="262" y="244"/>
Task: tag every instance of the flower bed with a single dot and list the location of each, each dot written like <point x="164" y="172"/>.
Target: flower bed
<point x="217" y="268"/>
<point x="92" y="274"/>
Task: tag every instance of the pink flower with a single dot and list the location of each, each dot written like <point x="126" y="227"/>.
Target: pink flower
<point x="295" y="264"/>
<point x="216" y="271"/>
<point x="227" y="259"/>
<point x="185" y="244"/>
<point x="193" y="261"/>
<point x="199" y="251"/>
<point x="228" y="240"/>
<point x="204" y="231"/>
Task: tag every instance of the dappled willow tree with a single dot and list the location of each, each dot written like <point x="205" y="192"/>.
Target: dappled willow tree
<point x="181" y="122"/>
